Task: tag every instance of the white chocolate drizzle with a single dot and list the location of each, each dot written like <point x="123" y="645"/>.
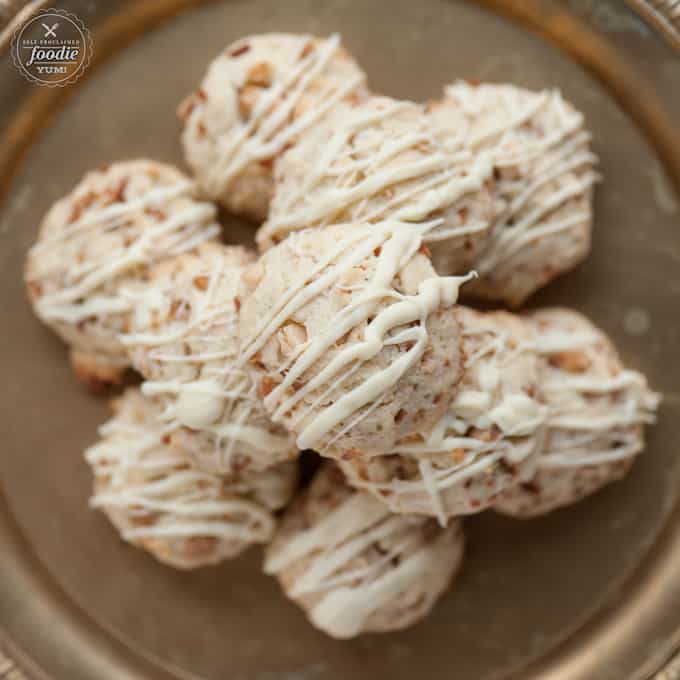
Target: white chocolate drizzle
<point x="220" y="396"/>
<point x="142" y="476"/>
<point x="397" y="243"/>
<point x="561" y="155"/>
<point x="269" y="130"/>
<point x="353" y="166"/>
<point x="180" y="231"/>
<point x="347" y="585"/>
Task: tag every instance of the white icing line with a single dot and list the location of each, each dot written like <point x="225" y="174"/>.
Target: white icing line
<point x="268" y="132"/>
<point x="397" y="242"/>
<point x="142" y="473"/>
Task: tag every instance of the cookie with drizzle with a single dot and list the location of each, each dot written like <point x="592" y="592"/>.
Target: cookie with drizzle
<point x="95" y="246"/>
<point x="353" y="566"/>
<point x="544" y="170"/>
<point x="488" y="439"/>
<point x="597" y="410"/>
<point x="377" y="159"/>
<point x="256" y="100"/>
<point x="184" y="517"/>
<point x="184" y="341"/>
<point x="353" y="335"/>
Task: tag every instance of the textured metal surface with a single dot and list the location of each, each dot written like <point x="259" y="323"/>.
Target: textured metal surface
<point x="589" y="593"/>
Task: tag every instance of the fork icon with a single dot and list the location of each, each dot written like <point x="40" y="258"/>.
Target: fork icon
<point x="50" y="31"/>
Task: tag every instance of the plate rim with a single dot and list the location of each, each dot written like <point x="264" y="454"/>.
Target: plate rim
<point x="605" y="634"/>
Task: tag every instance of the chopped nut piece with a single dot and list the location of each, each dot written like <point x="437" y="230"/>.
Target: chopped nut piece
<point x="260" y="74"/>
<point x="572" y="362"/>
<point x="201" y="282"/>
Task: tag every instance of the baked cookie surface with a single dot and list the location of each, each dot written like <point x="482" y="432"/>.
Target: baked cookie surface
<point x="597" y="411"/>
<point x="256" y="99"/>
<point x="184" y="517"/>
<point x="356" y="568"/>
<point x="353" y="334"/>
<point x="94" y="248"/>
<point x="545" y="173"/>
<point x="184" y="341"/>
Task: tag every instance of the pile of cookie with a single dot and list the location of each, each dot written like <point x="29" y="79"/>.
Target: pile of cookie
<point x="343" y="335"/>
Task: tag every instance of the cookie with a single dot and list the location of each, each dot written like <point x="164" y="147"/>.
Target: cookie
<point x="257" y="99"/>
<point x="354" y="567"/>
<point x="95" y="246"/>
<point x="545" y="173"/>
<point x="353" y="335"/>
<point x="486" y="442"/>
<point x="185" y="342"/>
<point x="597" y="411"/>
<point x="379" y="159"/>
<point x="184" y="517"/>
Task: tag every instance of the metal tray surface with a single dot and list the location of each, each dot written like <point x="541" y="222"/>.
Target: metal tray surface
<point x="592" y="591"/>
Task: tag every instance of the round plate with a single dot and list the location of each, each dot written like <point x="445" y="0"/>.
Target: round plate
<point x="587" y="592"/>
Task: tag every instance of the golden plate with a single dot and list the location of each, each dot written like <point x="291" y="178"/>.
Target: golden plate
<point x="591" y="592"/>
